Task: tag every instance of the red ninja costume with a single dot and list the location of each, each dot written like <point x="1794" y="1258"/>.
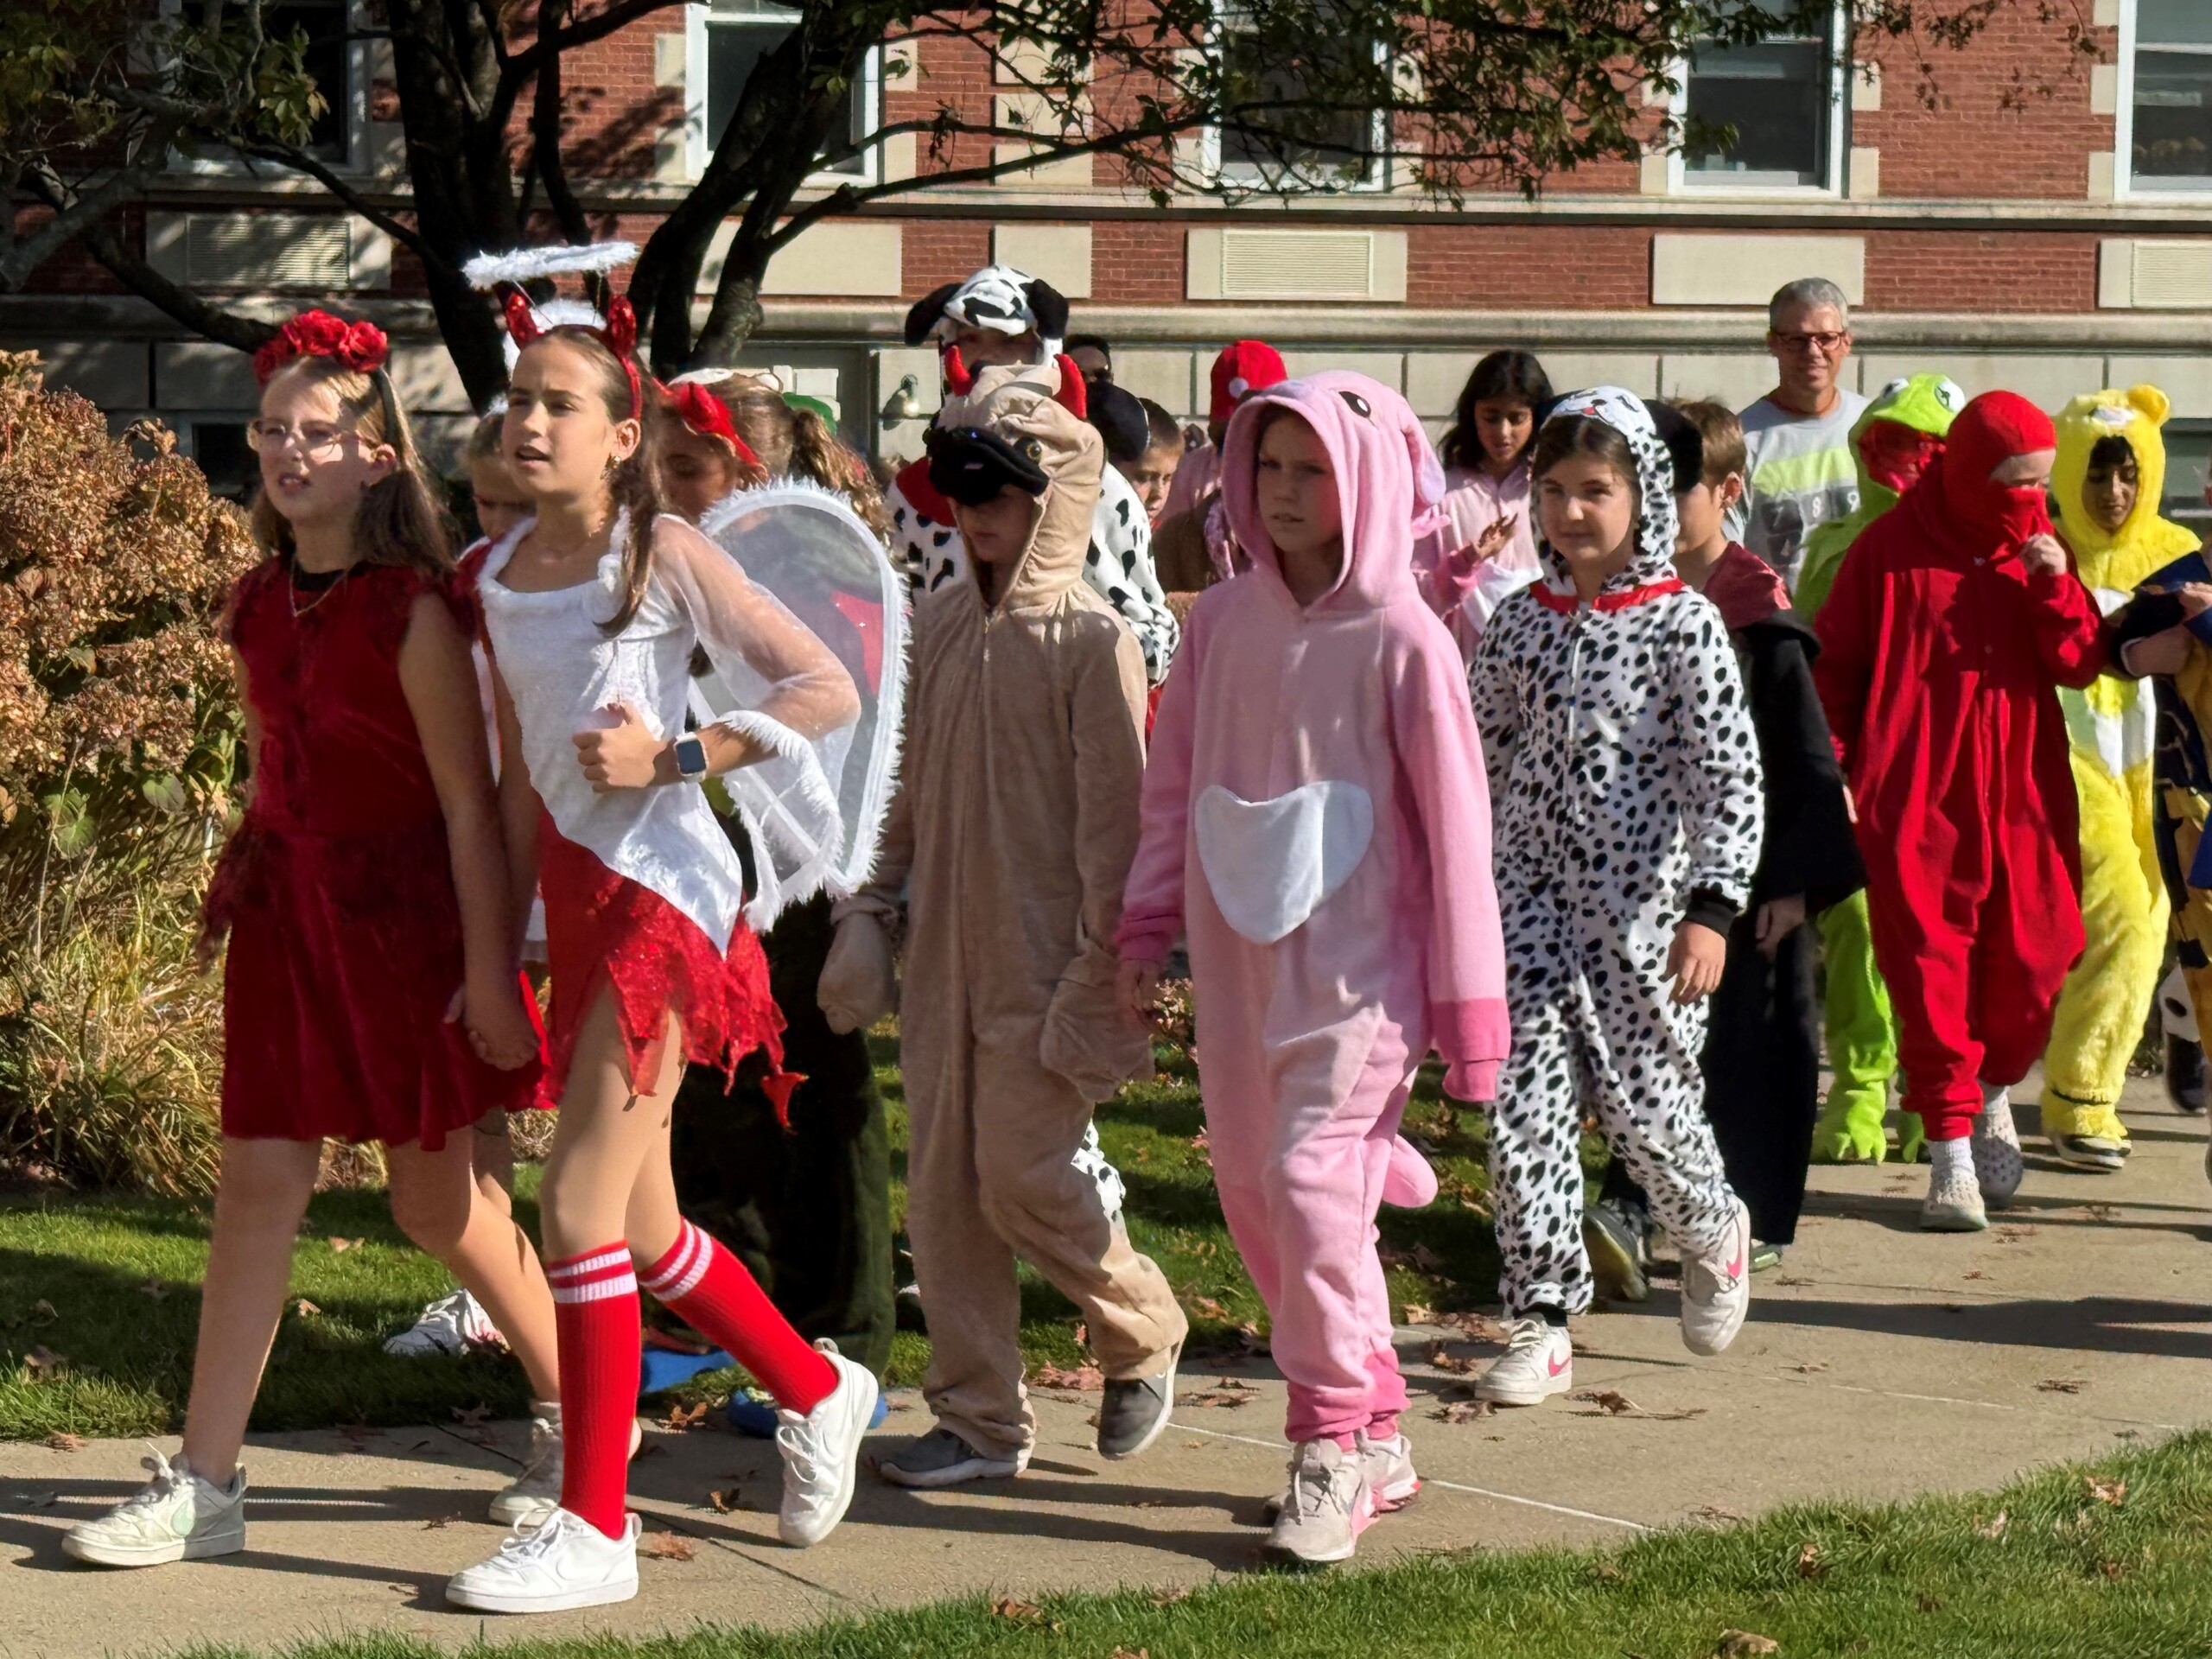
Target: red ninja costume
<point x="1940" y="651"/>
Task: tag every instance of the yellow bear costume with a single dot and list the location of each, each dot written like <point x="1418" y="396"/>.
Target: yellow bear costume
<point x="2112" y="725"/>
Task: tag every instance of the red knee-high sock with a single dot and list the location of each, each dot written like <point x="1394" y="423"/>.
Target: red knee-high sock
<point x="595" y="1323"/>
<point x="707" y="1288"/>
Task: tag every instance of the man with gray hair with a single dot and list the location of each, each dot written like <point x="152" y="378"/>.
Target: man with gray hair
<point x="1799" y="468"/>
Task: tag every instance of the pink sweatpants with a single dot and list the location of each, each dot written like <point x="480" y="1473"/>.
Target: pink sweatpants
<point x="1301" y="1139"/>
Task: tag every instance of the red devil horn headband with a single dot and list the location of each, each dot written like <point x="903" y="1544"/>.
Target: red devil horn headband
<point x="957" y="375"/>
<point x="1074" y="395"/>
<point x="619" y="335"/>
<point x="708" y="416"/>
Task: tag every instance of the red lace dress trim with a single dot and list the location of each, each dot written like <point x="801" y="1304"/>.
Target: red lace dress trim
<point x="604" y="929"/>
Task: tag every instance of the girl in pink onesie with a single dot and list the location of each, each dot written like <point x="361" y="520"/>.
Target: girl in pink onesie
<point x="1317" y="825"/>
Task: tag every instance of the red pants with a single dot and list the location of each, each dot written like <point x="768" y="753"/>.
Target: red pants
<point x="1975" y="947"/>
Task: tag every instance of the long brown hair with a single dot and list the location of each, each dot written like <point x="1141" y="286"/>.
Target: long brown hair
<point x="400" y="521"/>
<point x="799" y="441"/>
<point x="633" y="485"/>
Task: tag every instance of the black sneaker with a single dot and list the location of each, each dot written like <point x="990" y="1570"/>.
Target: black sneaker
<point x="1135" y="1411"/>
<point x="1613" y="1237"/>
<point x="2186" y="1083"/>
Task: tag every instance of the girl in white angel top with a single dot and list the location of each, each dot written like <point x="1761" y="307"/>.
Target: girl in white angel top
<point x="594" y="607"/>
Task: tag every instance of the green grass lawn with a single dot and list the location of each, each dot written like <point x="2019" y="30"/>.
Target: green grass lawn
<point x="2068" y="1564"/>
<point x="99" y="1295"/>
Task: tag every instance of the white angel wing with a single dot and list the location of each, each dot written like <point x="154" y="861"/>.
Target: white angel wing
<point x="817" y="816"/>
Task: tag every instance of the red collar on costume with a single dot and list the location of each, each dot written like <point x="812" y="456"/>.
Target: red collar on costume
<point x="1620" y="600"/>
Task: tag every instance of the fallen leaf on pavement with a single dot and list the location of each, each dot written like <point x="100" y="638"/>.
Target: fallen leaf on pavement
<point x="1810" y="1562"/>
<point x="1612" y="1402"/>
<point x="1810" y="1367"/>
<point x="1445" y="1360"/>
<point x="438" y="1524"/>
<point x="2101" y="1212"/>
<point x="340" y="1246"/>
<point x="724" y="1502"/>
<point x="1737" y="1644"/>
<point x="669" y="1547"/>
<point x="36" y="1500"/>
<point x="1088" y="1378"/>
<point x="59" y="1442"/>
<point x="2113" y="1492"/>
<point x="469" y="1416"/>
<point x="2060" y="1385"/>
<point x="681" y="1417"/>
<point x="1229" y="1391"/>
<point x="1994" y="1527"/>
<point x="1466" y="1411"/>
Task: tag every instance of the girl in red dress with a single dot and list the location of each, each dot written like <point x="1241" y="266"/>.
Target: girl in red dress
<point x="593" y="608"/>
<point x="371" y="991"/>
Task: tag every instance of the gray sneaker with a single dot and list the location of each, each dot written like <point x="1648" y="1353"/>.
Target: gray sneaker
<point x="941" y="1458"/>
<point x="1136" y="1409"/>
<point x="1326" y="1509"/>
<point x="1391" y="1482"/>
<point x="176" y="1516"/>
<point x="1613" y="1239"/>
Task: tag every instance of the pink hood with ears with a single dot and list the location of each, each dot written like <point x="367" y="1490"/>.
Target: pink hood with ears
<point x="1387" y="476"/>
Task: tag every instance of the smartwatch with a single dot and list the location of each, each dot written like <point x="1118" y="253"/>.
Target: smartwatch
<point x="690" y="758"/>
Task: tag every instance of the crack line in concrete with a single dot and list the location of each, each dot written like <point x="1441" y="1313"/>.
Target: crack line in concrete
<point x="1449" y="1485"/>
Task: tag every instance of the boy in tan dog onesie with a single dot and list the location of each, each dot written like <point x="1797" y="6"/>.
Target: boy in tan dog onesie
<point x="1011" y="837"/>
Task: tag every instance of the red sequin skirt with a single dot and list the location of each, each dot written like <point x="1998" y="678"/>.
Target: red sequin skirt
<point x="604" y="930"/>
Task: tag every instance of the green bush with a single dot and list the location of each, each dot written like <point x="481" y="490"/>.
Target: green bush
<point x="119" y="725"/>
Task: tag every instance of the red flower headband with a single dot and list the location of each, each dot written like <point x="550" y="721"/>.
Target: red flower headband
<point x="361" y="346"/>
<point x="708" y="416"/>
<point x="619" y="336"/>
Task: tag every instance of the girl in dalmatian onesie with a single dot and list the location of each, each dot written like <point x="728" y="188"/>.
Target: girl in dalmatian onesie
<point x="1316" y="821"/>
<point x="1004" y="315"/>
<point x="1623" y="759"/>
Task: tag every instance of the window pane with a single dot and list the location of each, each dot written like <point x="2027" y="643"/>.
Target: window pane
<point x="2173" y="115"/>
<point x="1311" y="143"/>
<point x="323" y="24"/>
<point x="2174" y="23"/>
<point x="1776" y="95"/>
<point x="2189" y="453"/>
<point x="732" y="50"/>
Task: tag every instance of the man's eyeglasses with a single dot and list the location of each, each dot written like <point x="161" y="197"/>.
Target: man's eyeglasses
<point x="1827" y="344"/>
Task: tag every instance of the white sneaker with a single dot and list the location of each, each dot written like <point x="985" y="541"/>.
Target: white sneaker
<point x="1537" y="1363"/>
<point x="534" y="1494"/>
<point x="1997" y="1165"/>
<point x="452" y="1325"/>
<point x="1391" y="1482"/>
<point x="1717" y="1289"/>
<point x="566" y="1562"/>
<point x="1326" y="1509"/>
<point x="176" y="1516"/>
<point x="1954" y="1203"/>
<point x="822" y="1452"/>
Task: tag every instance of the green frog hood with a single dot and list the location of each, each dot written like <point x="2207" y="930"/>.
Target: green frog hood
<point x="1925" y="404"/>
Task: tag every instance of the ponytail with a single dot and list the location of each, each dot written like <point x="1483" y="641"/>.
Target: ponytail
<point x="798" y="441"/>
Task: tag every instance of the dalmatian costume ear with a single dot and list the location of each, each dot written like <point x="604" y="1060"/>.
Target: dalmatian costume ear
<point x="922" y="321"/>
<point x="997" y="297"/>
<point x="1050" y="311"/>
<point x="1624" y="412"/>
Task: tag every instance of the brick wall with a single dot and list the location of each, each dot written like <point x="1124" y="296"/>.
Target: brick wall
<point x="1948" y="270"/>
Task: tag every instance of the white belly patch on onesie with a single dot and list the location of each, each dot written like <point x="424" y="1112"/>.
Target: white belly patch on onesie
<point x="1271" y="864"/>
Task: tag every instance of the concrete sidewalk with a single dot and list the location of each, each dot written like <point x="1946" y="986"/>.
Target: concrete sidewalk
<point x="1879" y="1362"/>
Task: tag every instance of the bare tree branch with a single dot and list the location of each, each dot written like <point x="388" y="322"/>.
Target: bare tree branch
<point x="201" y="315"/>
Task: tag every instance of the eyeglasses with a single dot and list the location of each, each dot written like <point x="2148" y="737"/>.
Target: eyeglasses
<point x="317" y="442"/>
<point x="1827" y="344"/>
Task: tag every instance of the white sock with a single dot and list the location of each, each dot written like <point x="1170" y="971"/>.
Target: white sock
<point x="1950" y="1157"/>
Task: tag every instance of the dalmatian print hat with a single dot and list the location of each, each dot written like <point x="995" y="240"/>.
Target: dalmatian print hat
<point x="997" y="297"/>
<point x="1624" y="412"/>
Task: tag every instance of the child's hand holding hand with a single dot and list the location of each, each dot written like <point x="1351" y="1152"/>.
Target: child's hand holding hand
<point x="1694" y="961"/>
<point x="2044" y="555"/>
<point x="499" y="1030"/>
<point x="624" y="755"/>
<point x="1138" y="984"/>
<point x="1778" y="919"/>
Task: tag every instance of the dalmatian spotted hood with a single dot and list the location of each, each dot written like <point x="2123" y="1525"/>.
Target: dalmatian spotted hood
<point x="1657" y="526"/>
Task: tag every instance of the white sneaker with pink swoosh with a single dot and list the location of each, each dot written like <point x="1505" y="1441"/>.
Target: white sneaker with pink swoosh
<point x="1537" y="1363"/>
<point x="1717" y="1289"/>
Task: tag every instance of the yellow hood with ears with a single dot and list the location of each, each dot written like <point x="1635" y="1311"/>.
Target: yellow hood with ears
<point x="2115" y="561"/>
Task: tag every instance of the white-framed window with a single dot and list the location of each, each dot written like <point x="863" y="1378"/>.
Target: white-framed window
<point x="1337" y="150"/>
<point x="724" y="39"/>
<point x="1785" y="98"/>
<point x="2163" y="125"/>
<point x="339" y="58"/>
<point x="2188" y="469"/>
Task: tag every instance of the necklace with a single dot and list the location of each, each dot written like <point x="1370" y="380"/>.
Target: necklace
<point x="292" y="591"/>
